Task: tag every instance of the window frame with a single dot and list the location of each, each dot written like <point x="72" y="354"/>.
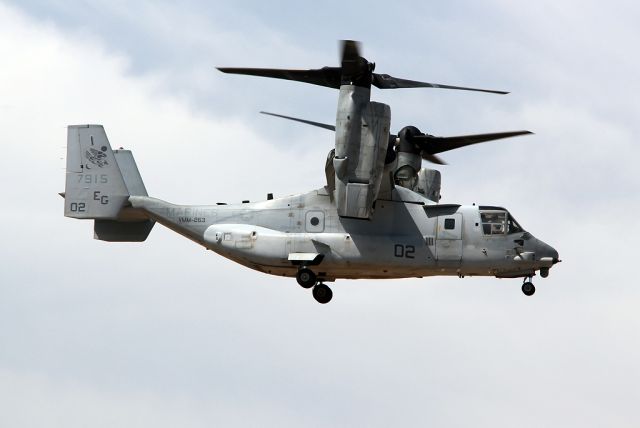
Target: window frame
<point x="491" y="227"/>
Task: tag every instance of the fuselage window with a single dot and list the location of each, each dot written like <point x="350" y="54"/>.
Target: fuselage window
<point x="513" y="226"/>
<point x="494" y="222"/>
<point x="449" y="223"/>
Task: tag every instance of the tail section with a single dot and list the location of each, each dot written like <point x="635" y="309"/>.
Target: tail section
<point x="95" y="188"/>
<point x="99" y="181"/>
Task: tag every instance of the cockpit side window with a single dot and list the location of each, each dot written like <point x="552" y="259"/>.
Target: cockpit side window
<point x="494" y="222"/>
<point x="498" y="222"/>
<point x="513" y="226"/>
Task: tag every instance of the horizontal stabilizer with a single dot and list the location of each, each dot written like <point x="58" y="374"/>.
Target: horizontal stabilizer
<point x="117" y="231"/>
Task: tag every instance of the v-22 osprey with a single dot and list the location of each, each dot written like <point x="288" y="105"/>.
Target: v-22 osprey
<point x="378" y="216"/>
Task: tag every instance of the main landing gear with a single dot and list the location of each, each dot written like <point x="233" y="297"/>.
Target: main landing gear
<point x="322" y="293"/>
<point x="307" y="279"/>
<point x="528" y="288"/>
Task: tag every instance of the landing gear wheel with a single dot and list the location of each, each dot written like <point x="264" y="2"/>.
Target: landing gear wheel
<point x="528" y="288"/>
<point x="306" y="278"/>
<point x="322" y="293"/>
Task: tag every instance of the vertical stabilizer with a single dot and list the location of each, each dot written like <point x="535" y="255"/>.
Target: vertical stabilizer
<point x="130" y="173"/>
<point x="99" y="182"/>
<point x="95" y="187"/>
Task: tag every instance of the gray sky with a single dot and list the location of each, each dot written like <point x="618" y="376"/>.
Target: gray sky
<point x="165" y="334"/>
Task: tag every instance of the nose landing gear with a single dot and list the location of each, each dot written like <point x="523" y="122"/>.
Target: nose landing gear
<point x="528" y="288"/>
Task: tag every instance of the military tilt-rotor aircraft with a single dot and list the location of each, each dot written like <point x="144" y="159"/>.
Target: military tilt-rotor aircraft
<point x="378" y="215"/>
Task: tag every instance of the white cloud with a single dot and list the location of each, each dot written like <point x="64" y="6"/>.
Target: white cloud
<point x="34" y="401"/>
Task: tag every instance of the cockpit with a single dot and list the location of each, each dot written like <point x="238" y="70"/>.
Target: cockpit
<point x="498" y="221"/>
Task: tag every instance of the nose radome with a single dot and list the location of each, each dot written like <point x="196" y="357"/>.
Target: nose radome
<point x="546" y="250"/>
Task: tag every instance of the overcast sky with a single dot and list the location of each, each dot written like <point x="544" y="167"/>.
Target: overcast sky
<point x="166" y="334"/>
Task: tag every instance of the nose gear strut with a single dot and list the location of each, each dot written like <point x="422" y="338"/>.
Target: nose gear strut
<point x="527" y="287"/>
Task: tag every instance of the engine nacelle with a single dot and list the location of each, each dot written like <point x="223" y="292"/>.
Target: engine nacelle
<point x="362" y="138"/>
<point x="408" y="174"/>
<point x="408" y="170"/>
<point x="429" y="182"/>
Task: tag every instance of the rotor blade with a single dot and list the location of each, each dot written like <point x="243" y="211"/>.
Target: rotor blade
<point x="308" y="122"/>
<point x="384" y="81"/>
<point x="350" y="50"/>
<point x="433" y="158"/>
<point x="325" y="76"/>
<point x="432" y="145"/>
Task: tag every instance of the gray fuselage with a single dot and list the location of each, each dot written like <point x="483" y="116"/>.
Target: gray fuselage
<point x="407" y="236"/>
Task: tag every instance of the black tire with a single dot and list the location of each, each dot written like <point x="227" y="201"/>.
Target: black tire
<point x="528" y="288"/>
<point x="322" y="293"/>
<point x="306" y="278"/>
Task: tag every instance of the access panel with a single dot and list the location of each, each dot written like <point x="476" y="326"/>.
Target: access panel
<point x="449" y="237"/>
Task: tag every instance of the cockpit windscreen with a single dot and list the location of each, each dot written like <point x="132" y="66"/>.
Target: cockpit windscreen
<point x="498" y="221"/>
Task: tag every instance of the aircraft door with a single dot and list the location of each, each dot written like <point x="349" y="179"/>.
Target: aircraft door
<point x="449" y="237"/>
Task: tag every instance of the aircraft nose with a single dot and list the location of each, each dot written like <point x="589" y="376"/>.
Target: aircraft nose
<point x="546" y="250"/>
